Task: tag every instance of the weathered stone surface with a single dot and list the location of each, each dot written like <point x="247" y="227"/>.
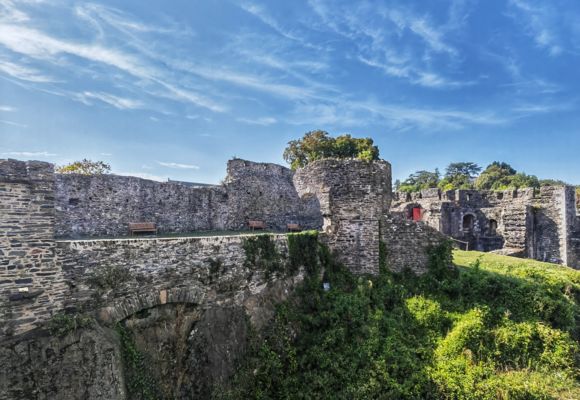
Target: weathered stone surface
<point x="354" y="197"/>
<point x="27" y="247"/>
<point x="83" y="365"/>
<point x="104" y="205"/>
<point x="407" y="243"/>
<point x="540" y="224"/>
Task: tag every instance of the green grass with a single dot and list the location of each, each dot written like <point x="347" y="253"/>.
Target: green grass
<point x="493" y="327"/>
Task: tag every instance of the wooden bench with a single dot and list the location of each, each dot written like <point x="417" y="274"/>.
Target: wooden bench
<point x="142" y="227"/>
<point x="294" y="228"/>
<point x="253" y="225"/>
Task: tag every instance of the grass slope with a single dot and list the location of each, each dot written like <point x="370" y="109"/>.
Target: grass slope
<point x="493" y="327"/>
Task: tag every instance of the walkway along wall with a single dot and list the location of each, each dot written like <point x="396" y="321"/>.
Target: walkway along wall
<point x="104" y="205"/>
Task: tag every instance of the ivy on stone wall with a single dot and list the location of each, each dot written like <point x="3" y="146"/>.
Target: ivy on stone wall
<point x="303" y="251"/>
<point x="262" y="254"/>
<point x="138" y="379"/>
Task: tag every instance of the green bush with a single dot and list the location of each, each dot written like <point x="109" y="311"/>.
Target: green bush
<point x="62" y="324"/>
<point x="490" y="328"/>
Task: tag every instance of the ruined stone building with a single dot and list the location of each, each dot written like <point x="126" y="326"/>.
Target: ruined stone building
<point x="542" y="224"/>
<point x="59" y="233"/>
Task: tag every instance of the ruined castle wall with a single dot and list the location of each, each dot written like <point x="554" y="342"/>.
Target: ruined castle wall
<point x="104" y="205"/>
<point x="510" y="210"/>
<point x="552" y="224"/>
<point x="354" y="197"/>
<point x="157" y="271"/>
<point x="407" y="243"/>
<point x="266" y="192"/>
<point x="30" y="281"/>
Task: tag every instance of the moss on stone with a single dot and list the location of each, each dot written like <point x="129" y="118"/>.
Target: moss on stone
<point x="303" y="251"/>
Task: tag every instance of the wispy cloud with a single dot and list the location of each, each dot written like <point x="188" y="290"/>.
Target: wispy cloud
<point x="378" y="32"/>
<point x="121" y="103"/>
<point x="177" y="165"/>
<point x="264" y="121"/>
<point x="29" y="154"/>
<point x="539" y="22"/>
<point x="23" y="72"/>
<point x="7" y="109"/>
<point x="40" y="46"/>
<point x="12" y="123"/>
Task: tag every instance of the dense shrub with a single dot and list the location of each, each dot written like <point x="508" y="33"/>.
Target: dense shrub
<point x="492" y="327"/>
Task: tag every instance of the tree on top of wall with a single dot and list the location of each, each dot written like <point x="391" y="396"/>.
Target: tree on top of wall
<point x="502" y="176"/>
<point x="85" y="167"/>
<point x="420" y="180"/>
<point x="316" y="145"/>
<point x="459" y="175"/>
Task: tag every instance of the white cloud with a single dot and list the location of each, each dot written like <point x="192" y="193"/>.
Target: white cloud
<point x="539" y="22"/>
<point x="264" y="121"/>
<point x="121" y="103"/>
<point x="7" y="109"/>
<point x="12" y="123"/>
<point x="400" y="42"/>
<point x="38" y="45"/>
<point x="23" y="72"/>
<point x="177" y="165"/>
<point x="143" y="175"/>
<point x="29" y="154"/>
<point x="106" y="154"/>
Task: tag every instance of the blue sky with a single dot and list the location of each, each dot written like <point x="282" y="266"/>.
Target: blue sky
<point x="175" y="88"/>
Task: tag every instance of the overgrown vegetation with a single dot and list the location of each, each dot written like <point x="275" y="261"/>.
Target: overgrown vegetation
<point x="62" y="324"/>
<point x="139" y="379"/>
<point x="303" y="251"/>
<point x="262" y="254"/>
<point x="491" y="328"/>
<point x="319" y="144"/>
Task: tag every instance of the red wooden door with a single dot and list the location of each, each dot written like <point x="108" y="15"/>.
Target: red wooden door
<point x="416" y="214"/>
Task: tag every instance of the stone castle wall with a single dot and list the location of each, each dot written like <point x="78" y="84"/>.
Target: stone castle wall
<point x="41" y="275"/>
<point x="538" y="224"/>
<point x="104" y="205"/>
<point x="30" y="281"/>
<point x="157" y="271"/>
<point x="407" y="243"/>
<point x="354" y="197"/>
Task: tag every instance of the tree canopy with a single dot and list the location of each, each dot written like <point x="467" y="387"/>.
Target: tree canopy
<point x="420" y="180"/>
<point x="85" y="167"/>
<point x="502" y="176"/>
<point x="319" y="144"/>
<point x="466" y="175"/>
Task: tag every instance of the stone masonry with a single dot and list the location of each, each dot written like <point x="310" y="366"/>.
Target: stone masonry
<point x="540" y="224"/>
<point x="41" y="275"/>
<point x="30" y="281"/>
<point x="103" y="205"/>
<point x="354" y="197"/>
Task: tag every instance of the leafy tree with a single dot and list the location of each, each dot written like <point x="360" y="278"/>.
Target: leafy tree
<point x="502" y="176"/>
<point x="459" y="175"/>
<point x="316" y="145"/>
<point x="552" y="182"/>
<point x="85" y="167"/>
<point x="468" y="169"/>
<point x="420" y="180"/>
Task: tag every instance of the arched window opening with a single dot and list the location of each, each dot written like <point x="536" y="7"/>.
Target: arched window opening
<point x="468" y="222"/>
<point x="492" y="227"/>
